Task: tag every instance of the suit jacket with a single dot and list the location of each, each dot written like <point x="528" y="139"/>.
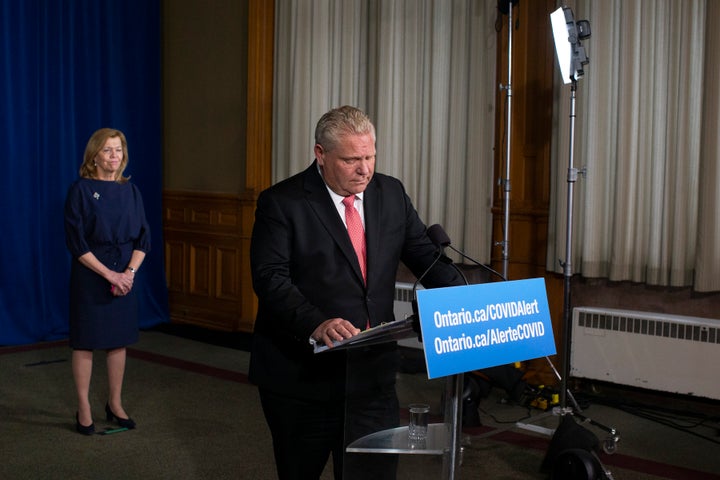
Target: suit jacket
<point x="305" y="271"/>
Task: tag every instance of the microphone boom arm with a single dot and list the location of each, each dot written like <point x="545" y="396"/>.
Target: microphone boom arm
<point x="482" y="265"/>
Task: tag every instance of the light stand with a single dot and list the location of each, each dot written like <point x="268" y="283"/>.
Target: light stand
<point x="571" y="59"/>
<point x="506" y="7"/>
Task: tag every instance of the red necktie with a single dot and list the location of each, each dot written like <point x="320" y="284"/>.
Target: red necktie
<point x="356" y="231"/>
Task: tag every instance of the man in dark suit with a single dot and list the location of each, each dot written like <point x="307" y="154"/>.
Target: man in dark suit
<point x="312" y="285"/>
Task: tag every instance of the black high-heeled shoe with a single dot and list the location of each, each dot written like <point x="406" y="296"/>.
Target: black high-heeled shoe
<point x="123" y="422"/>
<point x="85" y="430"/>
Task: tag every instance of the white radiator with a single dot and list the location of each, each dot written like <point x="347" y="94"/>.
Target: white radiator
<point x="670" y="353"/>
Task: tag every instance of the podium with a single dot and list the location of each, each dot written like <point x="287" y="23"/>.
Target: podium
<point x="464" y="328"/>
<point x="443" y="439"/>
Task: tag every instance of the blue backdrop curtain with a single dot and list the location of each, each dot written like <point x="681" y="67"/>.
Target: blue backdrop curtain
<point x="69" y="68"/>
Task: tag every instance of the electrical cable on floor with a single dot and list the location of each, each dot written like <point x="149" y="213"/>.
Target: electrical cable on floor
<point x="504" y="422"/>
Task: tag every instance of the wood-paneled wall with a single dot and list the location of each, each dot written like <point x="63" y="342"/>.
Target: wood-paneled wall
<point x="207" y="251"/>
<point x="207" y="234"/>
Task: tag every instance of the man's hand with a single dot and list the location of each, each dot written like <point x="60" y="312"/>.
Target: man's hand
<point x="334" y="329"/>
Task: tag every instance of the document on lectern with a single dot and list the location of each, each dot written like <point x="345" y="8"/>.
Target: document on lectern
<point x="385" y="332"/>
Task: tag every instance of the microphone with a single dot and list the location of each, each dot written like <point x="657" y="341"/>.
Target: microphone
<point x="441" y="240"/>
<point x="415" y="315"/>
<point x="438" y="236"/>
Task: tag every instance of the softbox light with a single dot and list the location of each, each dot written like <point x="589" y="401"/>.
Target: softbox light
<point x="567" y="35"/>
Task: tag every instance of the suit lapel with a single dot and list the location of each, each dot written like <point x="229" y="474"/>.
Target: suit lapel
<point x="320" y="202"/>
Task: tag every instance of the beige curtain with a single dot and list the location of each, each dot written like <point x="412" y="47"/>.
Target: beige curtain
<point x="646" y="132"/>
<point x="424" y="71"/>
<point x="321" y="60"/>
<point x="707" y="267"/>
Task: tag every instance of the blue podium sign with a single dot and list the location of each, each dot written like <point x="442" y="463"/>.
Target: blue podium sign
<point x="477" y="326"/>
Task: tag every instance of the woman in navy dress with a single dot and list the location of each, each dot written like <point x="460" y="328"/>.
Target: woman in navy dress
<point x="108" y="236"/>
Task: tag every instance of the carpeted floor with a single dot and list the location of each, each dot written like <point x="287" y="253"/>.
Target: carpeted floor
<point x="198" y="418"/>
